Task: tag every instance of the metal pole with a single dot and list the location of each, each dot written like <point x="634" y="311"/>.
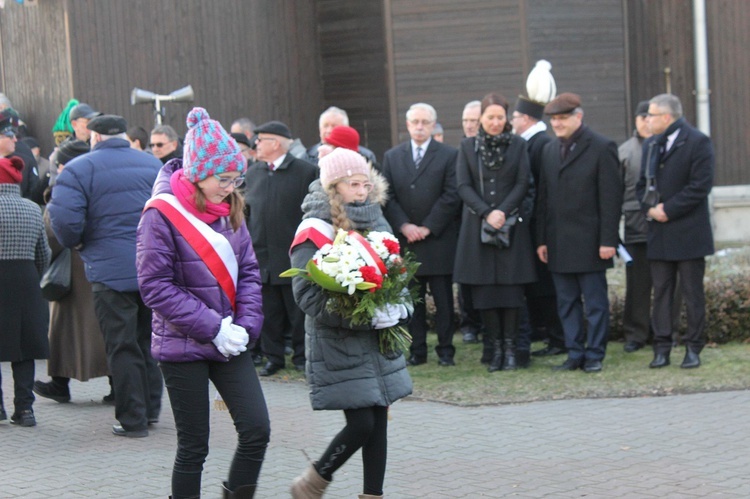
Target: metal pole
<point x="702" y="91"/>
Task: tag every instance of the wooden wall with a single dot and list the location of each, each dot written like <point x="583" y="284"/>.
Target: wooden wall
<point x="353" y="67"/>
<point x="34" y="71"/>
<point x="255" y="59"/>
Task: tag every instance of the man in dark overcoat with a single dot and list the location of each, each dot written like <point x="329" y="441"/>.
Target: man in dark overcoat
<point x="578" y="213"/>
<point x="678" y="165"/>
<point x="541" y="304"/>
<point x="276" y="184"/>
<point x="423" y="209"/>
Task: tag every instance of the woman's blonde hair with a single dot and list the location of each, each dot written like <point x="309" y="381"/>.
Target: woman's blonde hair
<point x="338" y="209"/>
<point x="236" y="206"/>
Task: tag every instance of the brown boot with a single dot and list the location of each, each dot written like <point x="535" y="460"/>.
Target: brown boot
<point x="309" y="485"/>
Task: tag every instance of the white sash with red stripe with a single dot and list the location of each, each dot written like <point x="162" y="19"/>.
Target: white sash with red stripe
<point x="316" y="230"/>
<point x="213" y="248"/>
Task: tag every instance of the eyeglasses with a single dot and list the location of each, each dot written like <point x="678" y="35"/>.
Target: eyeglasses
<point x="358" y="184"/>
<point x="259" y="139"/>
<point x="469" y="120"/>
<point x="421" y="122"/>
<point x="225" y="182"/>
<point x="8" y="133"/>
<point x="157" y="145"/>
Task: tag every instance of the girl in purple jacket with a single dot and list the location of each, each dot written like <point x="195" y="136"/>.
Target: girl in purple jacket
<point x="198" y="272"/>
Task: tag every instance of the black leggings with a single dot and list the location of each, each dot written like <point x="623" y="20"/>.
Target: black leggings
<point x="501" y="323"/>
<point x="366" y="428"/>
<point x="238" y="385"/>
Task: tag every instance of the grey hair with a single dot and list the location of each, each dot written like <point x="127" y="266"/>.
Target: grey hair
<point x="669" y="102"/>
<point x="5" y="101"/>
<point x="577" y="110"/>
<point x="245" y="124"/>
<point x="122" y="135"/>
<point x="166" y="130"/>
<point x="474" y="103"/>
<point x="423" y="106"/>
<point x="334" y="110"/>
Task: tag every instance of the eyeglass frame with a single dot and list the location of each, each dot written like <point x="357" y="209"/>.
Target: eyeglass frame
<point x="225" y="182"/>
<point x="368" y="186"/>
<point x="157" y="145"/>
<point x="9" y="132"/>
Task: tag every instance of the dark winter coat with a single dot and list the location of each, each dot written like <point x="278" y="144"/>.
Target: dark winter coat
<point x="504" y="189"/>
<point x="425" y="196"/>
<point x="24" y="256"/>
<point x="188" y="304"/>
<point x="96" y="206"/>
<point x="684" y="179"/>
<point x="345" y="369"/>
<point x="273" y="202"/>
<point x="630" y="152"/>
<point x="579" y="203"/>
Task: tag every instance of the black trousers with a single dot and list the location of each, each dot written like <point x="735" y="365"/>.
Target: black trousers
<point x="572" y="290"/>
<point x="441" y="287"/>
<point x="470" y="320"/>
<point x="366" y="428"/>
<point x="665" y="275"/>
<point x="282" y="316"/>
<point x="188" y="389"/>
<point x="636" y="323"/>
<point x="23" y="383"/>
<point x="125" y="322"/>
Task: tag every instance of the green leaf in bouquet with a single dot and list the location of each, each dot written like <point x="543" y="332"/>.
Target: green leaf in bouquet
<point x="324" y="280"/>
<point x="294" y="273"/>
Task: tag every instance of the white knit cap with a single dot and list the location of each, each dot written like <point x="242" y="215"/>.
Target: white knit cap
<point x="341" y="163"/>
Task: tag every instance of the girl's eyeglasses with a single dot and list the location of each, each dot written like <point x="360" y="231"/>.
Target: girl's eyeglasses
<point x="225" y="182"/>
<point x="357" y="184"/>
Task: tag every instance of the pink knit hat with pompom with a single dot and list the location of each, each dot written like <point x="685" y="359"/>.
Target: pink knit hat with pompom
<point x="209" y="149"/>
<point x="341" y="163"/>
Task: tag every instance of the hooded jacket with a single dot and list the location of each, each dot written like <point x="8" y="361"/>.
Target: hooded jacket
<point x="345" y="369"/>
<point x="187" y="301"/>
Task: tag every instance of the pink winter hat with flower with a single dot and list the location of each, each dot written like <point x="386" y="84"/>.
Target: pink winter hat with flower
<point x="209" y="149"/>
<point x="341" y="163"/>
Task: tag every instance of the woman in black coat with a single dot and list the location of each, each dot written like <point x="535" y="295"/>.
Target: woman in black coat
<point x="493" y="178"/>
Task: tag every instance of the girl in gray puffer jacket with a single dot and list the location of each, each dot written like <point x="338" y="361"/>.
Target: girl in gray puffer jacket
<point x="198" y="272"/>
<point x="345" y="369"/>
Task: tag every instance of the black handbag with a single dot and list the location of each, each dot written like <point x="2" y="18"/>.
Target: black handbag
<point x="503" y="236"/>
<point x="55" y="282"/>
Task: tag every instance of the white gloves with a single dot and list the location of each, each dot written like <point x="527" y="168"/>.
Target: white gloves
<point x="231" y="339"/>
<point x="389" y="316"/>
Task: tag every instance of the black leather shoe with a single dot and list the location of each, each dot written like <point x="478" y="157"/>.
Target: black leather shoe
<point x="270" y="369"/>
<point x="416" y="361"/>
<point x="592" y="366"/>
<point x="23" y="418"/>
<point x="569" y="365"/>
<point x="691" y="361"/>
<point x="548" y="351"/>
<point x="122" y="432"/>
<point x="632" y="346"/>
<point x="446" y="362"/>
<point x="660" y="360"/>
<point x="109" y="399"/>
<point x="51" y="391"/>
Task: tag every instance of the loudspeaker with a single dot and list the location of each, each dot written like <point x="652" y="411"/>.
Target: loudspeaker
<point x="138" y="96"/>
<point x="184" y="94"/>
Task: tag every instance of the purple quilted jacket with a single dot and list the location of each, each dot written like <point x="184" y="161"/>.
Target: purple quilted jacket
<point x="187" y="302"/>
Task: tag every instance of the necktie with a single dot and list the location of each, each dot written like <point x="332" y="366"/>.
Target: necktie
<point x="418" y="159"/>
<point x="271" y="167"/>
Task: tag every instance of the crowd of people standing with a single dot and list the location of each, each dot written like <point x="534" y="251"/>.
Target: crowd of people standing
<point x="177" y="247"/>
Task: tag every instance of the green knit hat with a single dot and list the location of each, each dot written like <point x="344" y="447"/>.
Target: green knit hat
<point x="62" y="129"/>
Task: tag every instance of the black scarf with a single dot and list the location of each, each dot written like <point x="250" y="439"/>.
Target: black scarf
<point x="566" y="145"/>
<point x="492" y="148"/>
<point x="658" y="148"/>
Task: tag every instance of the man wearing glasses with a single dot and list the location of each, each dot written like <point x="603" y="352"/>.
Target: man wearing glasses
<point x="165" y="143"/>
<point x="276" y="184"/>
<point x="423" y="207"/>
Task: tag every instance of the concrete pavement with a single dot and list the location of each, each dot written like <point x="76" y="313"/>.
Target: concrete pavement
<point x="677" y="446"/>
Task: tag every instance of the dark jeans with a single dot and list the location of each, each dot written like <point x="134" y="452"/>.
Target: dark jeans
<point x="282" y="316"/>
<point x="188" y="389"/>
<point x="441" y="287"/>
<point x="365" y="428"/>
<point x="583" y="343"/>
<point x="125" y="322"/>
<point x="23" y="382"/>
<point x="665" y="276"/>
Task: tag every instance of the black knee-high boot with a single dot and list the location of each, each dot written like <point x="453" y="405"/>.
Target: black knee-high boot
<point x="510" y="333"/>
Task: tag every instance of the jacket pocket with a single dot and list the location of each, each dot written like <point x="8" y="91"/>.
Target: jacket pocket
<point x="342" y="352"/>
